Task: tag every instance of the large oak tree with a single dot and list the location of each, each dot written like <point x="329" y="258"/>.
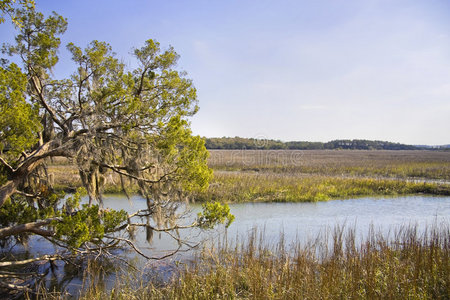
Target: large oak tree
<point x="104" y="118"/>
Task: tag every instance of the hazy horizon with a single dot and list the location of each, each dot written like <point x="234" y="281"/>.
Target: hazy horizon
<point x="290" y="70"/>
<point x="317" y="141"/>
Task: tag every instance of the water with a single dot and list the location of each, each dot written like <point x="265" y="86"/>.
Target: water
<point x="302" y="221"/>
<point x="296" y="222"/>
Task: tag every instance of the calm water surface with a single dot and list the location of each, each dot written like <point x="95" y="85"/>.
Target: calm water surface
<point x="299" y="222"/>
<point x="302" y="221"/>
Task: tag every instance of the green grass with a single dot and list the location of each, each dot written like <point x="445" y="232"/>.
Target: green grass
<point x="245" y="187"/>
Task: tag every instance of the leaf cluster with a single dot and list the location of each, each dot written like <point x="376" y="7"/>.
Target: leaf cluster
<point x="88" y="224"/>
<point x="214" y="213"/>
<point x="19" y="122"/>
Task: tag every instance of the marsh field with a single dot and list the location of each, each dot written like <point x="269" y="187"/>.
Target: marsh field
<point x="412" y="263"/>
<point x="306" y="175"/>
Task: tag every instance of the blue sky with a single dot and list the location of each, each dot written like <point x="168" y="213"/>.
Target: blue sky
<point x="291" y="70"/>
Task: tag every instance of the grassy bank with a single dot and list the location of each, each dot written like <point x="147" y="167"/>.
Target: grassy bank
<point x="296" y="176"/>
<point x="318" y="175"/>
<point x="412" y="265"/>
<point x="265" y="186"/>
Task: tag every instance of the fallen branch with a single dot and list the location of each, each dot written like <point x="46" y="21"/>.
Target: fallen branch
<point x="27" y="261"/>
<point x="15" y="287"/>
<point x="4" y="274"/>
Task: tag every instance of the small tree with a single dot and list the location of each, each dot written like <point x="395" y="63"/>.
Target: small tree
<point x="104" y="118"/>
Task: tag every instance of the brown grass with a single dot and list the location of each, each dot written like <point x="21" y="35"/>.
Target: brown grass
<point x="408" y="265"/>
<point x="369" y="163"/>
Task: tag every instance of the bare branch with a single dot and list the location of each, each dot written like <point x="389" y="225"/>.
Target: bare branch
<point x="34" y="196"/>
<point x="27" y="261"/>
<point x="4" y="274"/>
<point x="116" y="169"/>
<point x="42" y="152"/>
<point x="15" y="287"/>
<point x="141" y="253"/>
<point x="33" y="227"/>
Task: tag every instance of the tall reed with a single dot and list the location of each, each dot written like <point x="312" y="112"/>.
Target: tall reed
<point x="408" y="264"/>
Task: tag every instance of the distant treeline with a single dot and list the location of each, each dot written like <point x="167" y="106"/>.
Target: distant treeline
<point x="251" y="143"/>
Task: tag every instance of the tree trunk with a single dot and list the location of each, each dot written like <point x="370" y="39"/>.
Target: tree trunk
<point x="26" y="167"/>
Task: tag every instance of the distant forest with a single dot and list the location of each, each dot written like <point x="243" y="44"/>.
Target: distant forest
<point x="251" y="143"/>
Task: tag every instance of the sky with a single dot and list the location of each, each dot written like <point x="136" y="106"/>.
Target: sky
<point x="289" y="70"/>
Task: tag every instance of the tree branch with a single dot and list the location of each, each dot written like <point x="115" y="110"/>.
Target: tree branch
<point x="42" y="152"/>
<point x="6" y="164"/>
<point x="15" y="287"/>
<point x="194" y="224"/>
<point x="38" y="87"/>
<point x="141" y="253"/>
<point x="33" y="227"/>
<point x="27" y="261"/>
<point x="115" y="169"/>
<point x="4" y="274"/>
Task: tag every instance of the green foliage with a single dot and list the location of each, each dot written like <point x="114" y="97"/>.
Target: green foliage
<point x="73" y="202"/>
<point x="21" y="211"/>
<point x="213" y="213"/>
<point x="112" y="219"/>
<point x="188" y="153"/>
<point x="19" y="122"/>
<point x="8" y="7"/>
<point x="76" y="225"/>
<point x="38" y="40"/>
<point x="88" y="224"/>
<point x="83" y="226"/>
